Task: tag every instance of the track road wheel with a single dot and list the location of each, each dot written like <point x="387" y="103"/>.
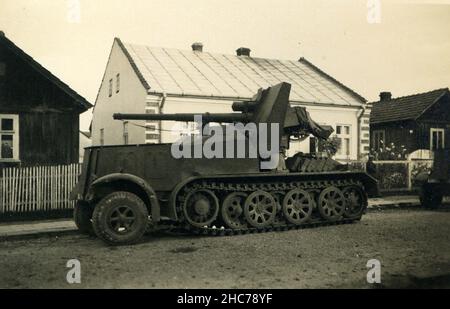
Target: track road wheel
<point x="260" y="209"/>
<point x="331" y="204"/>
<point x="430" y="198"/>
<point x="356" y="202"/>
<point x="297" y="206"/>
<point x="82" y="215"/>
<point x="233" y="210"/>
<point x="120" y="218"/>
<point x="201" y="208"/>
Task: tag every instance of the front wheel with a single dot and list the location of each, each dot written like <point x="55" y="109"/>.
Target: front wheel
<point x="430" y="197"/>
<point x="120" y="218"/>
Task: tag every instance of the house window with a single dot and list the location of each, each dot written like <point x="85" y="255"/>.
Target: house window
<point x="102" y="137"/>
<point x="378" y="139"/>
<point x="110" y="88"/>
<point x="9" y="137"/>
<point x="343" y="134"/>
<point x="437" y="139"/>
<point x="125" y="133"/>
<point x="117" y="83"/>
<point x="151" y="133"/>
<point x="150" y="110"/>
<point x="152" y="104"/>
<point x="150" y="136"/>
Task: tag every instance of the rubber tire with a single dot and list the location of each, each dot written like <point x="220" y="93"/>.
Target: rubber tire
<point x="82" y="215"/>
<point x="100" y="220"/>
<point x="429" y="198"/>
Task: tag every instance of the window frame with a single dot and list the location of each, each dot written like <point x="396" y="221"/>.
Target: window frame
<point x="110" y="90"/>
<point x="442" y="142"/>
<point x="376" y="140"/>
<point x="125" y="133"/>
<point x="340" y="154"/>
<point x="117" y="82"/>
<point x="152" y="134"/>
<point x="15" y="135"/>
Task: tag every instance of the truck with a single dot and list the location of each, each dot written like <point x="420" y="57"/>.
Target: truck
<point x="435" y="184"/>
<point x="126" y="190"/>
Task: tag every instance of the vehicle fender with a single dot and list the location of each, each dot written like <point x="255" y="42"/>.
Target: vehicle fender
<point x="151" y="194"/>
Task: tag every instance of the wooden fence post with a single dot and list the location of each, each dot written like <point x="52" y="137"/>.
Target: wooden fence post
<point x="410" y="169"/>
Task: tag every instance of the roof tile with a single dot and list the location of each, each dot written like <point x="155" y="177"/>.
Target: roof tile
<point x="182" y="72"/>
<point x="404" y="108"/>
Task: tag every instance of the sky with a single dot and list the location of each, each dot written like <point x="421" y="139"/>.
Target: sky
<point x="370" y="46"/>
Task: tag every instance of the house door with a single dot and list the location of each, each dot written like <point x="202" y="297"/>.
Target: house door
<point x="437" y="139"/>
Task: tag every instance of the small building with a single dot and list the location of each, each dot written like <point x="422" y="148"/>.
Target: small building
<point x="39" y="114"/>
<point x="419" y="121"/>
<point x="85" y="141"/>
<point x="142" y="79"/>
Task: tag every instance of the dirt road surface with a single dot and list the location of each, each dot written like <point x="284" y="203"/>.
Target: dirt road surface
<point x="413" y="247"/>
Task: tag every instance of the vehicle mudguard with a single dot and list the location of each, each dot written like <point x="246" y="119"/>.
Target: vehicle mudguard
<point x="154" y="204"/>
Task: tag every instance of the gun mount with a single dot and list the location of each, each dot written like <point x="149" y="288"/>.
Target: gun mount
<point x="267" y="106"/>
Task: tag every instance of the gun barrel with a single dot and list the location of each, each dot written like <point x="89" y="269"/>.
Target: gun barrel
<point x="244" y="106"/>
<point x="206" y="117"/>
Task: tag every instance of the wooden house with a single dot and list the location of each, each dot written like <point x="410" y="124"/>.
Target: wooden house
<point x="39" y="114"/>
<point x="420" y="121"/>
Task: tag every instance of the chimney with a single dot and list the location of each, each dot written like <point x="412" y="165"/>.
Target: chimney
<point x="197" y="47"/>
<point x="385" y="96"/>
<point x="243" y="51"/>
<point x="2" y="33"/>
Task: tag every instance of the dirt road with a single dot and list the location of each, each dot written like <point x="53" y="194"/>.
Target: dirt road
<point x="413" y="247"/>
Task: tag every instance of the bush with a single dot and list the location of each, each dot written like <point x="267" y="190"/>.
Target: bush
<point x="392" y="176"/>
<point x="388" y="153"/>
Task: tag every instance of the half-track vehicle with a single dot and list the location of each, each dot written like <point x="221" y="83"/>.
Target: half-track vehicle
<point x="126" y="190"/>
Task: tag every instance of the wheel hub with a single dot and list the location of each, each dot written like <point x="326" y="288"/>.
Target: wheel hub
<point x="202" y="207"/>
<point x="356" y="202"/>
<point x="122" y="219"/>
<point x="232" y="210"/>
<point x="260" y="209"/>
<point x="297" y="206"/>
<point x="331" y="203"/>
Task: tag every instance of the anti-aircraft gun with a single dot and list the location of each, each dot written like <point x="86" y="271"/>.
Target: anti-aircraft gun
<point x="268" y="106"/>
<point x="125" y="189"/>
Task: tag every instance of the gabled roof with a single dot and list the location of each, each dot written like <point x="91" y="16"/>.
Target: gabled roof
<point x="82" y="103"/>
<point x="203" y="74"/>
<point x="405" y="108"/>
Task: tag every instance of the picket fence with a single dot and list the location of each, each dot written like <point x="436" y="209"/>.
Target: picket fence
<point x="399" y="175"/>
<point x="37" y="189"/>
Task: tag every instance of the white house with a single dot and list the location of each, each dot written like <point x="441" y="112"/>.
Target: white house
<point x="85" y="141"/>
<point x="142" y="79"/>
